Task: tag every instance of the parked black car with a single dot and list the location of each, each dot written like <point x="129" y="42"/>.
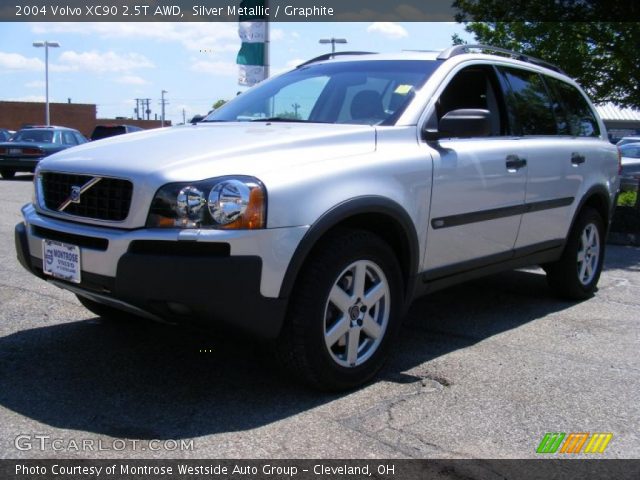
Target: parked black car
<point x="105" y="131"/>
<point x="23" y="151"/>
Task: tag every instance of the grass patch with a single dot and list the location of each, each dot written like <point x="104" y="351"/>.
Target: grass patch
<point x="627" y="199"/>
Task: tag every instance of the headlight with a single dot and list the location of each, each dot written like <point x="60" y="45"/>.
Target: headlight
<point x="224" y="202"/>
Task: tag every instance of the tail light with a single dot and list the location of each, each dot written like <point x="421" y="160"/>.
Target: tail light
<point x="32" y="151"/>
<point x="3" y="151"/>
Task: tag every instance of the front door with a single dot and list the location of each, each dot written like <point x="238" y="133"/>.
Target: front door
<point x="478" y="183"/>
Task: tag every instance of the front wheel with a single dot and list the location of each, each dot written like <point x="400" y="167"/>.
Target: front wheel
<point x="575" y="276"/>
<point x="344" y="312"/>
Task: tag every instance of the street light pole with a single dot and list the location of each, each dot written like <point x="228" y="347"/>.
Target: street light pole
<point x="333" y="42"/>
<point x="46" y="44"/>
<point x="163" y="102"/>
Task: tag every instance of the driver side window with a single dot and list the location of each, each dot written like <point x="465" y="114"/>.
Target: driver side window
<point x="474" y="87"/>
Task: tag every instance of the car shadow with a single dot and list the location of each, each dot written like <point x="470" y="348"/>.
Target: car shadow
<point x="623" y="258"/>
<point x="463" y="315"/>
<point x="149" y="381"/>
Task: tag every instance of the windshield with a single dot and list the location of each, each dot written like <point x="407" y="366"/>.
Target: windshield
<point x="39" y="136"/>
<point x="361" y="92"/>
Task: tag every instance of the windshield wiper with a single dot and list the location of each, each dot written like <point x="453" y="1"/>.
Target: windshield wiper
<point x="281" y="119"/>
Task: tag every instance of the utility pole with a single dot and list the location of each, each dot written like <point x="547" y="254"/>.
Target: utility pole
<point x="137" y="110"/>
<point x="295" y="107"/>
<point x="147" y="109"/>
<point x="163" y="102"/>
<point x="184" y="116"/>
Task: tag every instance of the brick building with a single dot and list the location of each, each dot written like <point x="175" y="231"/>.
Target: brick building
<point x="81" y="116"/>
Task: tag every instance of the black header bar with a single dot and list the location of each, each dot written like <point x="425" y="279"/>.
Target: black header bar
<point x="380" y="469"/>
<point x="317" y="10"/>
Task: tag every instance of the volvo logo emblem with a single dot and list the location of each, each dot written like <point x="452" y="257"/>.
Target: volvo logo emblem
<point x="76" y="191"/>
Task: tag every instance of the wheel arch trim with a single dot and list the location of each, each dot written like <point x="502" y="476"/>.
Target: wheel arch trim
<point x="343" y="212"/>
<point x="602" y="193"/>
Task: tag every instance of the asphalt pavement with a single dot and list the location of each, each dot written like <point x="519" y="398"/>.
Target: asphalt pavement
<point x="481" y="370"/>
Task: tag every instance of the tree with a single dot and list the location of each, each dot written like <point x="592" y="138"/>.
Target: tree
<point x="603" y="56"/>
<point x="218" y="104"/>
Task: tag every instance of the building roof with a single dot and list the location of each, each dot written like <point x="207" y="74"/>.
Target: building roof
<point x="610" y="112"/>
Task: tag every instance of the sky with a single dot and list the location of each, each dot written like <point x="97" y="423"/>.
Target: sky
<point x="112" y="64"/>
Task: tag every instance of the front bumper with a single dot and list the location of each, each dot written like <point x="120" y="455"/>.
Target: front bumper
<point x="202" y="278"/>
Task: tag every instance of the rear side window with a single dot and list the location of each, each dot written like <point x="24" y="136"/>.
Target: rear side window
<point x="577" y="119"/>
<point x="68" y="138"/>
<point x="529" y="103"/>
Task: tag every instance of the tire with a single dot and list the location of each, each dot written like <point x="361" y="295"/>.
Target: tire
<point x="334" y="337"/>
<point x="7" y="173"/>
<point x="575" y="276"/>
<point x="106" y="312"/>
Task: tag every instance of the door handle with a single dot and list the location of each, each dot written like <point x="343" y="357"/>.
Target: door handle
<point x="577" y="158"/>
<point x="514" y="162"/>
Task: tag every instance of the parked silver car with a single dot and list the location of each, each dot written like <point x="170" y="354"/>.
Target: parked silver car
<point x="630" y="173"/>
<point x="313" y="208"/>
<point x="627" y="140"/>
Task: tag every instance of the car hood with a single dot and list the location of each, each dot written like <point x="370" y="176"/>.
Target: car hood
<point x="204" y="150"/>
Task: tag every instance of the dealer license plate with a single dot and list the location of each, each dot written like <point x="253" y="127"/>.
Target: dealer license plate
<point x="15" y="151"/>
<point x="61" y="260"/>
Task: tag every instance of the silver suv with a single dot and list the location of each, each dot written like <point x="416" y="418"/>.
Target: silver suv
<point x="313" y="208"/>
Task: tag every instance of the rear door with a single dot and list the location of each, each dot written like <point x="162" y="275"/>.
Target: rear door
<point x="557" y="138"/>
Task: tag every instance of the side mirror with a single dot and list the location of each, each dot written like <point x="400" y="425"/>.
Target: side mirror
<point x="465" y="122"/>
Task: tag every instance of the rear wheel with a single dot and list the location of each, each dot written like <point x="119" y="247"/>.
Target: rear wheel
<point x="575" y="276"/>
<point x="344" y="313"/>
<point x="7" y="173"/>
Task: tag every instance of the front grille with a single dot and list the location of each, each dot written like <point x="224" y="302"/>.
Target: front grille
<point x="108" y="199"/>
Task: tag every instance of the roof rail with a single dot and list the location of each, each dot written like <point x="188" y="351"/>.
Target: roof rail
<point x="328" y="56"/>
<point x="460" y="49"/>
